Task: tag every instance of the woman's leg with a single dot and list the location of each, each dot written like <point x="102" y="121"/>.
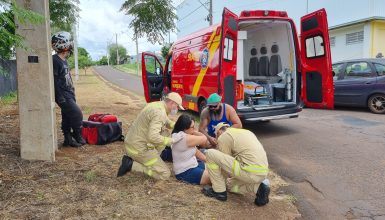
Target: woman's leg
<point x="205" y="180"/>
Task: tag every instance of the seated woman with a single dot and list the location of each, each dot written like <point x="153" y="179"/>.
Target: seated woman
<point x="185" y="153"/>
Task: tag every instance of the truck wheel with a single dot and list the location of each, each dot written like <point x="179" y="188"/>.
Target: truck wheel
<point x="202" y="105"/>
<point x="376" y="103"/>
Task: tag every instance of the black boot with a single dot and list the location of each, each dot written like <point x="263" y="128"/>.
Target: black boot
<point x="126" y="165"/>
<point x="208" y="191"/>
<point x="69" y="141"/>
<point x="77" y="134"/>
<point x="262" y="195"/>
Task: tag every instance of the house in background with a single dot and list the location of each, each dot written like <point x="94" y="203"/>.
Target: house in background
<point x="364" y="38"/>
<point x="356" y="27"/>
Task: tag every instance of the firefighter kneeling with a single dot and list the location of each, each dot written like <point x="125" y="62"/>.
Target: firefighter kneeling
<point x="241" y="156"/>
<point x="144" y="142"/>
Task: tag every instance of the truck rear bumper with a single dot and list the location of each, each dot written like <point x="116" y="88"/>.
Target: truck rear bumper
<point x="267" y="115"/>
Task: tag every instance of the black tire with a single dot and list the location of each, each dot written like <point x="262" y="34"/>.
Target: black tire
<point x="376" y="103"/>
<point x="202" y="104"/>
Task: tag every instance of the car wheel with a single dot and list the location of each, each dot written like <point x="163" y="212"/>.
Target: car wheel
<point x="376" y="103"/>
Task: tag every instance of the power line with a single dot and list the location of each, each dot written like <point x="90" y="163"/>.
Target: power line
<point x="190" y="13"/>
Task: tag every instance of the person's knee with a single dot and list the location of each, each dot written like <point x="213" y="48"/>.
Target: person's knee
<point x="165" y="174"/>
<point x="211" y="155"/>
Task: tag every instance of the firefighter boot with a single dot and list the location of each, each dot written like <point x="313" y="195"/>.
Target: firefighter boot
<point x="77" y="134"/>
<point x="69" y="141"/>
<point x="262" y="195"/>
<point x="126" y="165"/>
<point x="208" y="191"/>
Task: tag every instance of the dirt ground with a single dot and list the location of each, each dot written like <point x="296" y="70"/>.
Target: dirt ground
<point x="82" y="183"/>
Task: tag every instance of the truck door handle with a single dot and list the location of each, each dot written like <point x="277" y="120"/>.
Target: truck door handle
<point x="368" y="83"/>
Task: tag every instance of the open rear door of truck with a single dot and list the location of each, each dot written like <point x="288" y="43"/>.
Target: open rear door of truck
<point x="152" y="77"/>
<point x="317" y="79"/>
<point x="228" y="56"/>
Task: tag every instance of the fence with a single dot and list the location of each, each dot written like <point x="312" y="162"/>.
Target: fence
<point x="8" y="80"/>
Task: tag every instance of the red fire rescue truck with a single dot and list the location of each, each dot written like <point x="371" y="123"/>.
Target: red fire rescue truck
<point x="254" y="61"/>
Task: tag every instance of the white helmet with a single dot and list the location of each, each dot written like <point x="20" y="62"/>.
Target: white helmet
<point x="62" y="41"/>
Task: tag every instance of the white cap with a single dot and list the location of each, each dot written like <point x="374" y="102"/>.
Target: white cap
<point x="173" y="96"/>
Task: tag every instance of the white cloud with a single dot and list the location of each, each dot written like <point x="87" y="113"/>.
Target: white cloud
<point x="100" y="20"/>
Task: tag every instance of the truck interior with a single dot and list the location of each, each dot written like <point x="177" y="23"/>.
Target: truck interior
<point x="266" y="49"/>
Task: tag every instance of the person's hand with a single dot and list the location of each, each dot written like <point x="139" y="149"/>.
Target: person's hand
<point x="213" y="141"/>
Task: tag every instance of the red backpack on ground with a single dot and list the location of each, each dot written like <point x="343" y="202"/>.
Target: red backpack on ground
<point x="102" y="129"/>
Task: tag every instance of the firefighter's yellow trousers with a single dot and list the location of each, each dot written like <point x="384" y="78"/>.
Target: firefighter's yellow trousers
<point x="244" y="178"/>
<point x="149" y="163"/>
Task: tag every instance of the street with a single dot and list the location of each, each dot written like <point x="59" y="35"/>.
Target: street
<point x="121" y="79"/>
<point x="333" y="159"/>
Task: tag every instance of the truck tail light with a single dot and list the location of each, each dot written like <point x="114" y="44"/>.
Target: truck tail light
<point x="239" y="94"/>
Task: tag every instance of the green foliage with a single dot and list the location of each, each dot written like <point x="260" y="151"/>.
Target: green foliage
<point x="8" y="99"/>
<point x="102" y="61"/>
<point x="84" y="60"/>
<point x="121" y="51"/>
<point x="63" y="14"/>
<point x="151" y="18"/>
<point x="9" y="10"/>
<point x="90" y="176"/>
<point x="130" y="68"/>
<point x="165" y="49"/>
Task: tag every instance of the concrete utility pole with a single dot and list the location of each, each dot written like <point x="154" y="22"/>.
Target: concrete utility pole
<point x="38" y="139"/>
<point x="117" y="50"/>
<point x="108" y="54"/>
<point x="76" y="58"/>
<point x="211" y="12"/>
<point x="137" y="56"/>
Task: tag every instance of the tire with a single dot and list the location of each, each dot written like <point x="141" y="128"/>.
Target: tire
<point x="376" y="103"/>
<point x="202" y="104"/>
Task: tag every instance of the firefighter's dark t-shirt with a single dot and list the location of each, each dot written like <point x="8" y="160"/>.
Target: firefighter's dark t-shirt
<point x="64" y="88"/>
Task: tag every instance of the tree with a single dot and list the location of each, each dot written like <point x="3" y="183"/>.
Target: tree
<point x="8" y="37"/>
<point x="121" y="51"/>
<point x="153" y="18"/>
<point x="165" y="49"/>
<point x="84" y="60"/>
<point x="63" y="15"/>
<point x="103" y="61"/>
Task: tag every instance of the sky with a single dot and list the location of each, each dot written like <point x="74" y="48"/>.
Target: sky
<point x="100" y="21"/>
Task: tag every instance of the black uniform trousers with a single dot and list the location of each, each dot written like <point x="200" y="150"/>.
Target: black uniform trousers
<point x="72" y="116"/>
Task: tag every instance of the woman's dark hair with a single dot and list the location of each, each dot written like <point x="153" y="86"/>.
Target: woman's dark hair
<point x="183" y="123"/>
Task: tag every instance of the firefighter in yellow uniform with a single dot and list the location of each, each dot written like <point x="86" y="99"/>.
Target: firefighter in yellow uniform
<point x="144" y="141"/>
<point x="240" y="156"/>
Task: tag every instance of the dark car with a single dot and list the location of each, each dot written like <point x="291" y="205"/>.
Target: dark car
<point x="360" y="83"/>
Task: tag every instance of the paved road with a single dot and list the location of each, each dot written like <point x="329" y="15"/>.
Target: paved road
<point x="334" y="160"/>
<point x="121" y="79"/>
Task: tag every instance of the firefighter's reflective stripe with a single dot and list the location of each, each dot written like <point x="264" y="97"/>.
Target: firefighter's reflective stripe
<point x="236" y="168"/>
<point x="166" y="141"/>
<point x="132" y="151"/>
<point x="212" y="166"/>
<point x="149" y="172"/>
<point x="150" y="162"/>
<point x="255" y="169"/>
<point x="235" y="188"/>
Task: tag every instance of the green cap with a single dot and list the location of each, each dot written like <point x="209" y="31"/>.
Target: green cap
<point x="214" y="99"/>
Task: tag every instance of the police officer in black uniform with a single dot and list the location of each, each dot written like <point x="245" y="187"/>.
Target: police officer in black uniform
<point x="64" y="91"/>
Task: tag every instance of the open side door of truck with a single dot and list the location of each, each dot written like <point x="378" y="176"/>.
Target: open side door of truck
<point x="228" y="56"/>
<point x="152" y="77"/>
<point x="317" y="79"/>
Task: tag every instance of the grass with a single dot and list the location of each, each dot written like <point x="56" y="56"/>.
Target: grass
<point x="129" y="68"/>
<point x="8" y="99"/>
<point x="89" y="176"/>
<point x="291" y="198"/>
